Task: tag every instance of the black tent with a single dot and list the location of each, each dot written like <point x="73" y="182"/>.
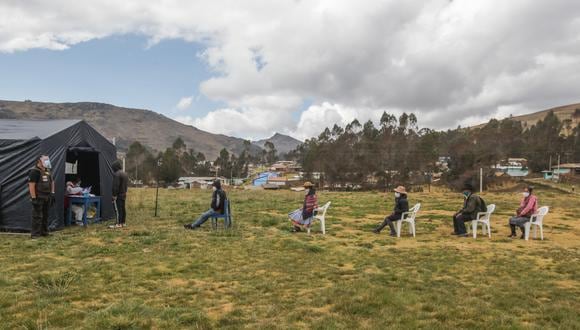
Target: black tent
<point x="64" y="141"/>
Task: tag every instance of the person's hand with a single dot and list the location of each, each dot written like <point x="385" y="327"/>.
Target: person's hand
<point x="114" y="198"/>
<point x="52" y="200"/>
<point x="33" y="200"/>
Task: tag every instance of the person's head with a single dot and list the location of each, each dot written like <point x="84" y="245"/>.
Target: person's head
<point x="400" y="191"/>
<point x="116" y="166"/>
<point x="467" y="190"/>
<point x="528" y="191"/>
<point x="44" y="162"/>
<point x="217" y="185"/>
<point x="309" y="186"/>
<point x="75" y="180"/>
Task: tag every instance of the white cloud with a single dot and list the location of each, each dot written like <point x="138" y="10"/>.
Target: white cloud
<point x="450" y="62"/>
<point x="184" y="103"/>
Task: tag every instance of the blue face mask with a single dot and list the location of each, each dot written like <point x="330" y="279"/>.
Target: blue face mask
<point x="466" y="194"/>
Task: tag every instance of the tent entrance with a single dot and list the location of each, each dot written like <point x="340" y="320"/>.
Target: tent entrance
<point x="83" y="162"/>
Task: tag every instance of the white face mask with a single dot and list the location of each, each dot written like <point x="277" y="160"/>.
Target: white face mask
<point x="214" y="188"/>
<point x="526" y="194"/>
<point x="397" y="195"/>
<point x="46" y="162"/>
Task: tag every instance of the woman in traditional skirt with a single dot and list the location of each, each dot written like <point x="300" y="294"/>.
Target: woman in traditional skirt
<point x="304" y="216"/>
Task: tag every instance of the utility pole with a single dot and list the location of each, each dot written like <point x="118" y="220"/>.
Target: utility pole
<point x="159" y="162"/>
<point x="550" y="164"/>
<point x="558" y="167"/>
<point x="480" y="180"/>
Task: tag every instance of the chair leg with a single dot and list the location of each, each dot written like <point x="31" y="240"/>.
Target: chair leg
<point x="323" y="226"/>
<point x="413" y="227"/>
<point x="489" y="229"/>
<point x="542" y="232"/>
<point x="535" y="231"/>
<point x="527" y="230"/>
<point x="474" y="228"/>
<point x="398" y="227"/>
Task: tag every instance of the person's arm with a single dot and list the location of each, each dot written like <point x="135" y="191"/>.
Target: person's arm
<point x="52" y="187"/>
<point x="529" y="208"/>
<point x="115" y="186"/>
<point x="32" y="189"/>
<point x="471" y="205"/>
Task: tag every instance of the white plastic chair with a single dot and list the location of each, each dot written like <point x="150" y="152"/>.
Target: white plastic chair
<point x="537" y="220"/>
<point x="410" y="218"/>
<point x="321" y="216"/>
<point x="485" y="219"/>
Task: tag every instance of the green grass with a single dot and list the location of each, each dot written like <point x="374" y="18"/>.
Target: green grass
<point x="154" y="274"/>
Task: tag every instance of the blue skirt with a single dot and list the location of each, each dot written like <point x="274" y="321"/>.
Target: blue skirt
<point x="296" y="217"/>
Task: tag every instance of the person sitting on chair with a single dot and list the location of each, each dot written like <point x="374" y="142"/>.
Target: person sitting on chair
<point x="401" y="206"/>
<point x="218" y="199"/>
<point x="73" y="188"/>
<point x="304" y="216"/>
<point x="471" y="205"/>
<point x="528" y="206"/>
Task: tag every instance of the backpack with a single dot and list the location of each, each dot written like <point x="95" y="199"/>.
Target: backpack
<point x="482" y="206"/>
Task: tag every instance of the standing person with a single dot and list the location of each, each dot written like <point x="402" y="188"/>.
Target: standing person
<point x="218" y="199"/>
<point x="528" y="206"/>
<point x="471" y="205"/>
<point x="304" y="216"/>
<point x="401" y="206"/>
<point x="120" y="183"/>
<point x="73" y="188"/>
<point x="41" y="188"/>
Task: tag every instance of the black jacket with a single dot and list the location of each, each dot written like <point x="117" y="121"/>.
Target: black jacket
<point x="217" y="200"/>
<point x="401" y="205"/>
<point x="471" y="206"/>
<point x="120" y="182"/>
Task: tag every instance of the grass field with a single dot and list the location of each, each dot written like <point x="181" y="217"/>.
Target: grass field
<point x="154" y="274"/>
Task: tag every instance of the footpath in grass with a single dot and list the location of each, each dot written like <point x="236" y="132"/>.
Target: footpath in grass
<point x="154" y="274"/>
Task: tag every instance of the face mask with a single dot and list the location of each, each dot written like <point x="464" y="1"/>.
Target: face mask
<point x="214" y="188"/>
<point x="526" y="194"/>
<point x="397" y="195"/>
<point x="466" y="194"/>
<point x="46" y="163"/>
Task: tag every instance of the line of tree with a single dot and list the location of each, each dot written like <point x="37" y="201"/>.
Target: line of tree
<point x="398" y="151"/>
<point x="179" y="160"/>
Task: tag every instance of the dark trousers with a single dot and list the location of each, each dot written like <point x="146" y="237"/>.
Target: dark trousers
<point x="389" y="222"/>
<point x="121" y="213"/>
<point x="39" y="225"/>
<point x="459" y="223"/>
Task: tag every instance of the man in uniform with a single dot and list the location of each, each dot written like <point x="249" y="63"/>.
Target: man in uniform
<point x="41" y="188"/>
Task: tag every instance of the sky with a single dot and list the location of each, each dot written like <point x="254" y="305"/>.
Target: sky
<point x="252" y="68"/>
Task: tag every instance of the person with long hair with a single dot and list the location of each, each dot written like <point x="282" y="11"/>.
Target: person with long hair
<point x="303" y="217"/>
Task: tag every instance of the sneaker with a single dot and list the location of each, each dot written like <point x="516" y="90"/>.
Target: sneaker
<point x="187" y="226"/>
<point x="393" y="234"/>
<point x="376" y="231"/>
<point x="462" y="235"/>
<point x="113" y="226"/>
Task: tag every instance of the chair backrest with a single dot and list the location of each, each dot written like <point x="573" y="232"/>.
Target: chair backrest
<point x="490" y="208"/>
<point x="415" y="208"/>
<point x="324" y="208"/>
<point x="539" y="216"/>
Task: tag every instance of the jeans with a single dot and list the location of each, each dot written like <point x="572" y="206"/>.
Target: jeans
<point x="389" y="221"/>
<point x="121" y="212"/>
<point x="519" y="221"/>
<point x="204" y="217"/>
<point x="459" y="224"/>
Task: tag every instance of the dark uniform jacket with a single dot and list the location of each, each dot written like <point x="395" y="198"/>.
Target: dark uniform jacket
<point x="43" y="180"/>
<point x="120" y="182"/>
<point x="401" y="205"/>
<point x="471" y="206"/>
<point x="217" y="200"/>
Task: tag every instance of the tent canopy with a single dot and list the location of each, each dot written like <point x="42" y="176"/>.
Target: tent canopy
<point x="23" y="141"/>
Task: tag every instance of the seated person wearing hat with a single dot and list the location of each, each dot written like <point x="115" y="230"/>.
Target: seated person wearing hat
<point x="73" y="188"/>
<point x="401" y="206"/>
<point x="471" y="205"/>
<point x="218" y="199"/>
<point x="304" y="216"/>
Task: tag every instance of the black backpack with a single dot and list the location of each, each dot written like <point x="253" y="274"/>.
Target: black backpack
<point x="482" y="206"/>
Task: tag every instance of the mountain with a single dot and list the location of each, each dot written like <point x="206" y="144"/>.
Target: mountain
<point x="283" y="143"/>
<point x="126" y="125"/>
<point x="567" y="112"/>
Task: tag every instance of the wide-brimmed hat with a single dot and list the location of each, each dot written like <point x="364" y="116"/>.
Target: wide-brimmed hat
<point x="308" y="184"/>
<point x="400" y="190"/>
<point x="467" y="186"/>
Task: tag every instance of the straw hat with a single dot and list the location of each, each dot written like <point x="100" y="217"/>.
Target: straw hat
<point x="308" y="184"/>
<point x="400" y="190"/>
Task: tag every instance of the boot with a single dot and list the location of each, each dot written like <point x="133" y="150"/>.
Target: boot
<point x="392" y="227"/>
<point x="513" y="228"/>
<point x="523" y="233"/>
